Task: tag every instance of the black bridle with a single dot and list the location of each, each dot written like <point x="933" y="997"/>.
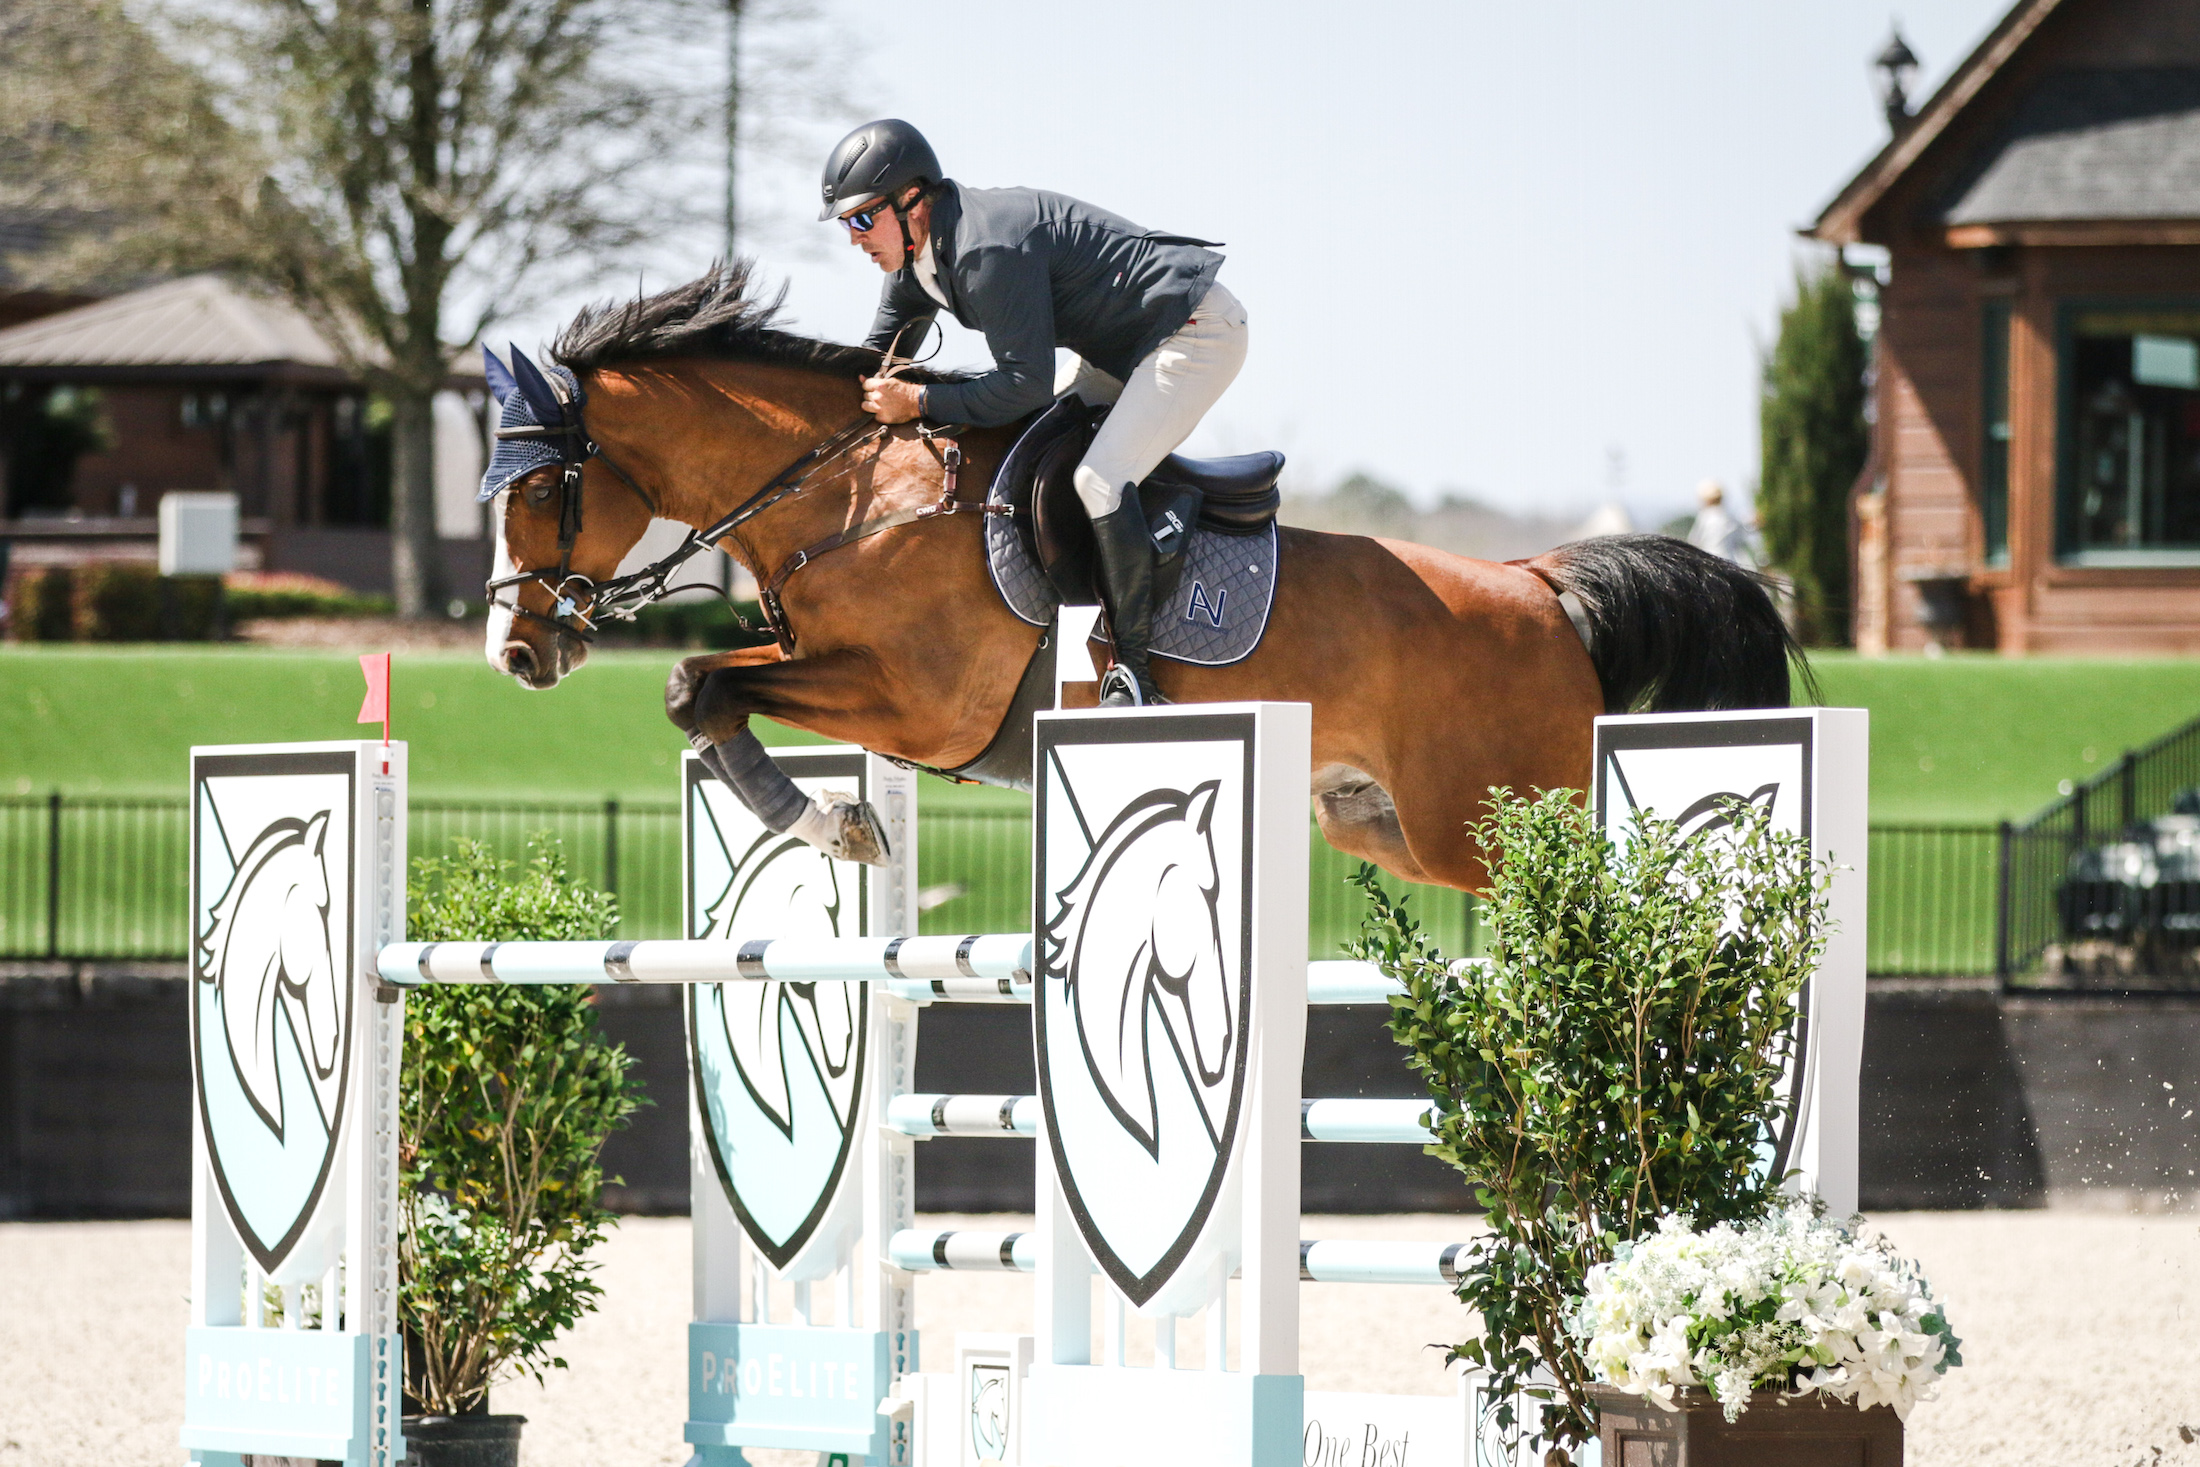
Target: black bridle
<point x="578" y="603"/>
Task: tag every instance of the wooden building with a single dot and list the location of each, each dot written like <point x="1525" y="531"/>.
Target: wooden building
<point x="2035" y="477"/>
<point x="199" y="383"/>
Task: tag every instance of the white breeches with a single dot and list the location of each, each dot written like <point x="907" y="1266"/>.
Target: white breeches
<point x="1169" y="391"/>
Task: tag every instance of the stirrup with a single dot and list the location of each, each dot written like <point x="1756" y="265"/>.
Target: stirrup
<point x="1120" y="688"/>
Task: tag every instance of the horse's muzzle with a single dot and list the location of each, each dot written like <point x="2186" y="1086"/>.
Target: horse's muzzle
<point x="523" y="663"/>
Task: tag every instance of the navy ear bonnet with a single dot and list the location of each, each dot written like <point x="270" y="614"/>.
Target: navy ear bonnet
<point x="528" y="400"/>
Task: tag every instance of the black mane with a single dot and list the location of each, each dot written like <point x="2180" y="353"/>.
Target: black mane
<point x="712" y="316"/>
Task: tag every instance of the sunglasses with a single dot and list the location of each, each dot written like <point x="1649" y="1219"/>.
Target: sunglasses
<point x="861" y="221"/>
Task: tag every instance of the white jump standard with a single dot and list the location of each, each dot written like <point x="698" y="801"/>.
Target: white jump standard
<point x="1168" y="983"/>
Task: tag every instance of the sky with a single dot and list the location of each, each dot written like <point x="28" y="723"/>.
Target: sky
<point x="1527" y="253"/>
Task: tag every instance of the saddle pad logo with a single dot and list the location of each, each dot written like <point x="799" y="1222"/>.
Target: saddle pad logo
<point x="778" y="1066"/>
<point x="1143" y="896"/>
<point x="272" y="990"/>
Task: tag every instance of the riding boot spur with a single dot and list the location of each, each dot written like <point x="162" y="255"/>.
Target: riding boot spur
<point x="840" y="825"/>
<point x="1126" y="584"/>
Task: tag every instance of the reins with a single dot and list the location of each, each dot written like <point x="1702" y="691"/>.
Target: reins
<point x="580" y="605"/>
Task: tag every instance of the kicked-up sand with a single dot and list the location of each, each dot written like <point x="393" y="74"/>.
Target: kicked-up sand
<point x="2081" y="1340"/>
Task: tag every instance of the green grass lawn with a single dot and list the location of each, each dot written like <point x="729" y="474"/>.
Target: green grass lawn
<point x="1985" y="738"/>
<point x="122" y="720"/>
<point x="1957" y="739"/>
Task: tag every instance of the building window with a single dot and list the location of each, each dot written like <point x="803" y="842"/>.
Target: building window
<point x="1993" y="488"/>
<point x="2130" y="439"/>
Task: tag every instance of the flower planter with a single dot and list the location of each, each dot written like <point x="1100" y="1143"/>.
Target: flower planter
<point x="464" y="1441"/>
<point x="1776" y="1431"/>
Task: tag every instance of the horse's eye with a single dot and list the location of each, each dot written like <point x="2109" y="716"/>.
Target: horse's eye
<point x="538" y="493"/>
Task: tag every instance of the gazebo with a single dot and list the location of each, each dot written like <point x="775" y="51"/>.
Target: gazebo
<point x="201" y="383"/>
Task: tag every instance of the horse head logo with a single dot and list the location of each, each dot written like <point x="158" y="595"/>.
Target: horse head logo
<point x="778" y="1066"/>
<point x="268" y="955"/>
<point x="800" y="888"/>
<point x="1137" y="936"/>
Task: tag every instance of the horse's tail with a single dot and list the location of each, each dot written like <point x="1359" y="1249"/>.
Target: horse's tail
<point x="1674" y="629"/>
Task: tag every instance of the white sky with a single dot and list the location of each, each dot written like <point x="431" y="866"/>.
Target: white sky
<point x="1530" y="252"/>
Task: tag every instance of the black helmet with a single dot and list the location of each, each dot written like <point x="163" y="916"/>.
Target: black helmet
<point x="877" y="158"/>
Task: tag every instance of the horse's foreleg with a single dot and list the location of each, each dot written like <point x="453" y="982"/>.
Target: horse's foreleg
<point x="835" y="823"/>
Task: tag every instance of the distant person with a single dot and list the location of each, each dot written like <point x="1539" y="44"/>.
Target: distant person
<point x="1718" y="531"/>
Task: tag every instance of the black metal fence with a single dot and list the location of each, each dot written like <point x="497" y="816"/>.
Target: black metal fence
<point x="2102" y="887"/>
<point x="93" y="877"/>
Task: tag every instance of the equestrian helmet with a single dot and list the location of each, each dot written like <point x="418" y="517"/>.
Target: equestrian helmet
<point x="875" y="160"/>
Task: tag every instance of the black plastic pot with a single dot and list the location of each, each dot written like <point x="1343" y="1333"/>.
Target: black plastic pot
<point x="462" y="1441"/>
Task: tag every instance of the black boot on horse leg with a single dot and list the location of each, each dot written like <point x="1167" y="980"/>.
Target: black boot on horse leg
<point x="1125" y="556"/>
<point x="837" y="823"/>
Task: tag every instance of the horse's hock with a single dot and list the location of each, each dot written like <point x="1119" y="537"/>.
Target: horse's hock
<point x="1167" y="986"/>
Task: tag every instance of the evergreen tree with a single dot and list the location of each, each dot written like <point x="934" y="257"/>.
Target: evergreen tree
<point x="1813" y="442"/>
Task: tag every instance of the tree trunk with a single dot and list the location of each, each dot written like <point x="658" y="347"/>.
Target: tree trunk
<point x="416" y="557"/>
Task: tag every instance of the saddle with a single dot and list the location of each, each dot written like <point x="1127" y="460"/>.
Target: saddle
<point x="1230" y="496"/>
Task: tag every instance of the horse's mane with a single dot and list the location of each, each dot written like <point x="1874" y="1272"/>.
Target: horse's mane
<point x="715" y="316"/>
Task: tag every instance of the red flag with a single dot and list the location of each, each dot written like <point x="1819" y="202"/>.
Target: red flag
<point x="376" y="707"/>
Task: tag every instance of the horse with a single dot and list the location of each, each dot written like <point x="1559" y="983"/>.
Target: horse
<point x="267" y="950"/>
<point x="1433" y="677"/>
<point x="1136" y="935"/>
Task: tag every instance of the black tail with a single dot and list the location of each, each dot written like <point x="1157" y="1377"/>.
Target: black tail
<point x="1674" y="629"/>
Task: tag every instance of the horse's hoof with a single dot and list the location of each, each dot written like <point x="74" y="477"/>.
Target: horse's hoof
<point x="859" y="834"/>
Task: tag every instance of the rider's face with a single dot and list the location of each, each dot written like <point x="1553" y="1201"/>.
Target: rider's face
<point x="883" y="240"/>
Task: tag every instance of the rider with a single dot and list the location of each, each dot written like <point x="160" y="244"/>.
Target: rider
<point x="1153" y="333"/>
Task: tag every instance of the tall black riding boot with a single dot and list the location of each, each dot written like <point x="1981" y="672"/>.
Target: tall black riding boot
<point x="1126" y="585"/>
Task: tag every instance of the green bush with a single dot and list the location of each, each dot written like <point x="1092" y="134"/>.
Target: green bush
<point x="264" y="596"/>
<point x="44" y="608"/>
<point x="1617" y="1059"/>
<point x="123" y="602"/>
<point x="506" y="1099"/>
<point x="1814" y="441"/>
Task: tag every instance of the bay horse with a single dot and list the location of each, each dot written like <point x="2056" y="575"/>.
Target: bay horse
<point x="1433" y="677"/>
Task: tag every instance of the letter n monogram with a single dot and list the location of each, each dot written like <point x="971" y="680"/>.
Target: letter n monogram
<point x="1201" y="606"/>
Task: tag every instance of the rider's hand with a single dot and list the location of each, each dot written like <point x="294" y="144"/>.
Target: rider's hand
<point x="891" y="400"/>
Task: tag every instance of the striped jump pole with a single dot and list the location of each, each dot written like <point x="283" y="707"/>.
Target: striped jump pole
<point x="1321" y="1260"/>
<point x="1360" y="1120"/>
<point x="971" y="968"/>
<point x="978" y="965"/>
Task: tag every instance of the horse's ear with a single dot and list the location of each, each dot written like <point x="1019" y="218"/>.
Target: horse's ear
<point x="501" y="384"/>
<point x="1199" y="810"/>
<point x="536" y="389"/>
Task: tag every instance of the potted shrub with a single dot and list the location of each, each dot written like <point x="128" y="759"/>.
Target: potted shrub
<point x="506" y="1098"/>
<point x="1615" y="1062"/>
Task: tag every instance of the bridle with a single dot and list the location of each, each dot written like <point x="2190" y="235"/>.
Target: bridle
<point x="579" y="604"/>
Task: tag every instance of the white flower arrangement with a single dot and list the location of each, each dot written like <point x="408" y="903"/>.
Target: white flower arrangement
<point x="1787" y="1302"/>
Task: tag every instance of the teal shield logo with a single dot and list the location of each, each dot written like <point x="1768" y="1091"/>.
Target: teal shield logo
<point x="778" y="1067"/>
<point x="272" y="990"/>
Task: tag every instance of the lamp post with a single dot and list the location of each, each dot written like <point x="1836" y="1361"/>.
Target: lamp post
<point x="1897" y="67"/>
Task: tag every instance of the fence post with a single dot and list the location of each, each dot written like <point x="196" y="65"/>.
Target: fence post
<point x="2127" y="790"/>
<point x="2001" y="907"/>
<point x="53" y="874"/>
<point x="611" y="846"/>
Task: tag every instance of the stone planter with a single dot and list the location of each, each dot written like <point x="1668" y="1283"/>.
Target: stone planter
<point x="462" y="1441"/>
<point x="1776" y="1431"/>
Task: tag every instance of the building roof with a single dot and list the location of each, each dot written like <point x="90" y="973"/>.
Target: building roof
<point x="1841" y="222"/>
<point x="200" y="321"/>
<point x="2091" y="145"/>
